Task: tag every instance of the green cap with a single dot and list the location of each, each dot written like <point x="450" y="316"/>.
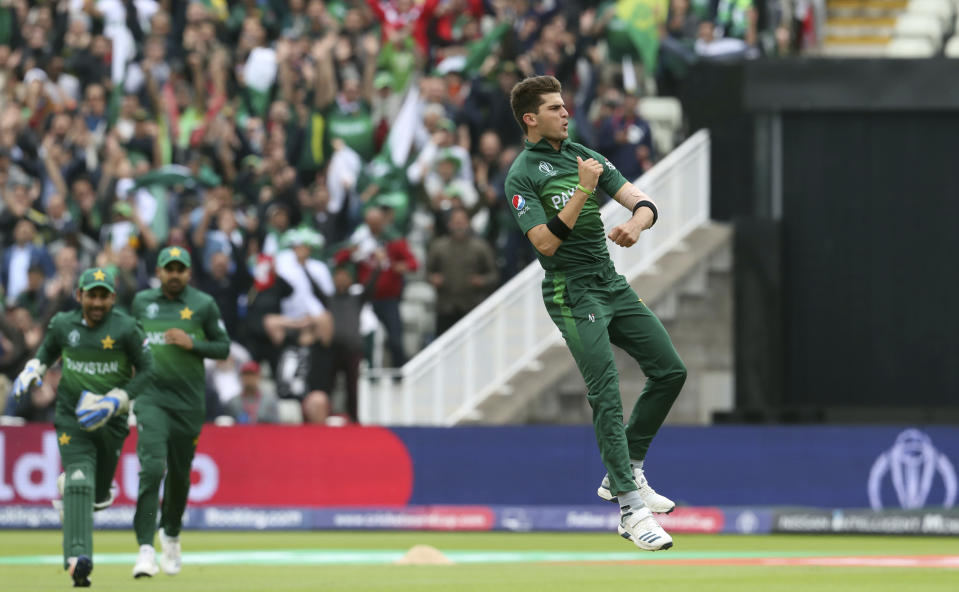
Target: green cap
<point x="302" y="236"/>
<point x="171" y="254"/>
<point x="123" y="208"/>
<point x="382" y="80"/>
<point x="96" y="276"/>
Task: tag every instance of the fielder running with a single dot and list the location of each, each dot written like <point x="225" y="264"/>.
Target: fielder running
<point x="105" y="362"/>
<point x="183" y="326"/>
<point x="552" y="191"/>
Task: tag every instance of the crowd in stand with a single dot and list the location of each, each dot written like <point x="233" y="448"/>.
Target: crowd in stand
<point x="314" y="156"/>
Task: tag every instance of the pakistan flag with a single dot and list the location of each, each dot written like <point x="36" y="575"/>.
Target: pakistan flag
<point x="638" y="22"/>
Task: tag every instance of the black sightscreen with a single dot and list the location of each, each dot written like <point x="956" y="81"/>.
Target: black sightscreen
<point x="870" y="243"/>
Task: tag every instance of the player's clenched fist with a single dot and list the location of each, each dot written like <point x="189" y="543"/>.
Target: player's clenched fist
<point x="93" y="411"/>
<point x="589" y="172"/>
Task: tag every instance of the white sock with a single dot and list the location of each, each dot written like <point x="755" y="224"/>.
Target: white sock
<point x="145" y="547"/>
<point x="630" y="501"/>
<point x="636" y="464"/>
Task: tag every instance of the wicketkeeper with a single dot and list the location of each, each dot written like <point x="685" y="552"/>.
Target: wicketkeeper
<point x="105" y="363"/>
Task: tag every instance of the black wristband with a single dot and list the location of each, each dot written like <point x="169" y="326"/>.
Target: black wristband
<point x="649" y="205"/>
<point x="558" y="227"/>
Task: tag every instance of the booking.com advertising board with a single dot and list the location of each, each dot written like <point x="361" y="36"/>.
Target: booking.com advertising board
<point x="725" y="478"/>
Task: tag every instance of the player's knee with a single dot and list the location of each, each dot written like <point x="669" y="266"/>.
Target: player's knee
<point x="316" y="407"/>
<point x="79" y="478"/>
<point x="678" y="372"/>
<point x="151" y="471"/>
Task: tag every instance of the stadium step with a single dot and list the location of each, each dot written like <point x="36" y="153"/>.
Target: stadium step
<point x="860" y="28"/>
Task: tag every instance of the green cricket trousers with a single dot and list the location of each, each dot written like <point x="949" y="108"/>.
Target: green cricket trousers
<point x="166" y="440"/>
<point x="595" y="308"/>
<point x="89" y="463"/>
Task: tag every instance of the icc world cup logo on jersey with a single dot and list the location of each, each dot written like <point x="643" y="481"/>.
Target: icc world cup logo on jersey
<point x="913" y="465"/>
<point x="546" y="168"/>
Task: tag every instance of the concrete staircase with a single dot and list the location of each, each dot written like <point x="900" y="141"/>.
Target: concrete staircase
<point x="691" y="292"/>
<point x="860" y="28"/>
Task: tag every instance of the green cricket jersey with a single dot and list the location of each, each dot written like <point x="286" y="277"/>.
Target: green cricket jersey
<point x="96" y="359"/>
<point x="541" y="181"/>
<point x="355" y="127"/>
<point x="180" y="380"/>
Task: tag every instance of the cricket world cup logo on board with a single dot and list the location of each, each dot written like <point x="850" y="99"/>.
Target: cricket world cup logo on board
<point x="915" y="467"/>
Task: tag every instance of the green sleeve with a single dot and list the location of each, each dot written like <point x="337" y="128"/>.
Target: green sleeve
<point x="50" y="348"/>
<point x="136" y="307"/>
<point x="523" y="202"/>
<point x="139" y="353"/>
<point x="217" y="344"/>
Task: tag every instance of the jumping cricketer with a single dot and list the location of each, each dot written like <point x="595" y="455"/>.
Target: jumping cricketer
<point x="551" y="188"/>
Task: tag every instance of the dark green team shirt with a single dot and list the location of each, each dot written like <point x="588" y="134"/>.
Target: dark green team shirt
<point x="180" y="379"/>
<point x="111" y="355"/>
<point x="541" y="181"/>
<point x="355" y="128"/>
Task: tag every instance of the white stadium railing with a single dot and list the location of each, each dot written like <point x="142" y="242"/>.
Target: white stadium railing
<point x="509" y="330"/>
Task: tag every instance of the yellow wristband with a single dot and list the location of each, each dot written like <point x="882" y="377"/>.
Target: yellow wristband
<point x="584" y="190"/>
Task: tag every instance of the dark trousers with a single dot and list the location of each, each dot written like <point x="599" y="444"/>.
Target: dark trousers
<point x="446" y="320"/>
<point x="166" y="442"/>
<point x="388" y="312"/>
<point x="594" y="311"/>
<point x="347" y="361"/>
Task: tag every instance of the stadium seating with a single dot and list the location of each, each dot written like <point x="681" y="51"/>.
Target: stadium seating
<point x="910" y="47"/>
<point x="665" y="117"/>
<point x="952" y="47"/>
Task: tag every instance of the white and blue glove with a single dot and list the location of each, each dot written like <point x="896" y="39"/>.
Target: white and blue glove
<point x="93" y="411"/>
<point x="31" y="373"/>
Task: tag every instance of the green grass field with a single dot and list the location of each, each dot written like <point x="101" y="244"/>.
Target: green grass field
<point x="213" y="561"/>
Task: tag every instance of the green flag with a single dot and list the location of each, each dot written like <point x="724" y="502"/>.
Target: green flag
<point x="643" y="19"/>
<point x="478" y="51"/>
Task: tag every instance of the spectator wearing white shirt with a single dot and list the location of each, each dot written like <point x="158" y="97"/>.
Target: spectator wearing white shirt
<point x="311" y="282"/>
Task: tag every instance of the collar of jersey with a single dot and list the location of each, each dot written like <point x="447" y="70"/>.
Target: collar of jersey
<point x="544" y="146"/>
<point x="180" y="298"/>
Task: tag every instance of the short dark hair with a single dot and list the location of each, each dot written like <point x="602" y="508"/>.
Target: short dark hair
<point x="527" y="96"/>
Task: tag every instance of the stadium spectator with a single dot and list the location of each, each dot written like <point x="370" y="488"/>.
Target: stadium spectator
<point x="304" y="365"/>
<point x="346" y="306"/>
<point x="18" y="258"/>
<point x="253" y="405"/>
<point x="625" y="137"/>
<point x="462" y="269"/>
<point x="375" y="246"/>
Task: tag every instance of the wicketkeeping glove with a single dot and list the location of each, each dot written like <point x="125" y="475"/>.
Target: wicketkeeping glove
<point x="32" y="372"/>
<point x="93" y="411"/>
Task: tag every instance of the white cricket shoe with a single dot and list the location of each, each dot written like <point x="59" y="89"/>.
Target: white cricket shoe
<point x="170" y="547"/>
<point x="659" y="504"/>
<point x="146" y="565"/>
<point x="640" y="527"/>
